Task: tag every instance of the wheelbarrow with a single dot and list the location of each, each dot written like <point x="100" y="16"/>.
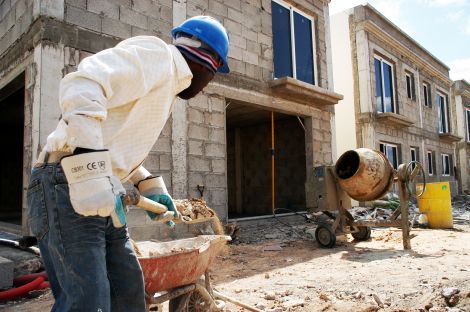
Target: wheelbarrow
<point x="177" y="271"/>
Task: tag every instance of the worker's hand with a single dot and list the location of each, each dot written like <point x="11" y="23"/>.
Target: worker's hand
<point x="154" y="188"/>
<point x="166" y="200"/>
<point x="93" y="190"/>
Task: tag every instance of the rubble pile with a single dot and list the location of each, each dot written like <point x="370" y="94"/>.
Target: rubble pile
<point x="461" y="208"/>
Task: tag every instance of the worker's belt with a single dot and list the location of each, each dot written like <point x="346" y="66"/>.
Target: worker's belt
<point x="50" y="158"/>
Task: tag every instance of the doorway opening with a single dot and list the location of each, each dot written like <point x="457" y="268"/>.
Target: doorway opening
<point x="250" y="131"/>
<point x="12" y="139"/>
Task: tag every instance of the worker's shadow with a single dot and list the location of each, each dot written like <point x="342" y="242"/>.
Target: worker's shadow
<point x="367" y="254"/>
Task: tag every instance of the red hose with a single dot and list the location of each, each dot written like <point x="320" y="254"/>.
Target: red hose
<point x="44" y="285"/>
<point x="24" y="279"/>
<point x="22" y="290"/>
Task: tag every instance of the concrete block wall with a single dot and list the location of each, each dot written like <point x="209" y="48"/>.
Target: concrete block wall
<point x="122" y="18"/>
<point x="15" y="18"/>
<point x="206" y="150"/>
<point x="250" y="28"/>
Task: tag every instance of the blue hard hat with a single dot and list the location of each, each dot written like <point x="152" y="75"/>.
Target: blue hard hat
<point x="211" y="32"/>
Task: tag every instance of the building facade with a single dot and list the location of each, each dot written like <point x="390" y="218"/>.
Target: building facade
<point x="397" y="96"/>
<point x="461" y="104"/>
<point x="271" y="116"/>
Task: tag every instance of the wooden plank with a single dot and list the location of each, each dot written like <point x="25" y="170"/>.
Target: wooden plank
<point x="238" y="172"/>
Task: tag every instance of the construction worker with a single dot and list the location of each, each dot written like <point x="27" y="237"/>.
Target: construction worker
<point x="113" y="110"/>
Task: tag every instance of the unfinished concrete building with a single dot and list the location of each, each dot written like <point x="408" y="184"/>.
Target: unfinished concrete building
<point x="397" y="95"/>
<point x="461" y="105"/>
<point x="247" y="144"/>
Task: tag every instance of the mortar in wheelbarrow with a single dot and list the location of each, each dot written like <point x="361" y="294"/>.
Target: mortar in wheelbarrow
<point x="167" y="265"/>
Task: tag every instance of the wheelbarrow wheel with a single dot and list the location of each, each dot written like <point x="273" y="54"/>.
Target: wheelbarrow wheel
<point x="325" y="236"/>
<point x="363" y="233"/>
<point x="195" y="303"/>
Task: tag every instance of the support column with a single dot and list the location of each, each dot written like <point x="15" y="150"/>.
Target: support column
<point x="179" y="174"/>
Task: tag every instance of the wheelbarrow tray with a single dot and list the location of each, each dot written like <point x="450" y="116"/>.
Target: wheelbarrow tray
<point x="167" y="265"/>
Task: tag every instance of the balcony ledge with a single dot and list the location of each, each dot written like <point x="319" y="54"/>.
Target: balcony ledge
<point x="449" y="137"/>
<point x="395" y="119"/>
<point x="299" y="91"/>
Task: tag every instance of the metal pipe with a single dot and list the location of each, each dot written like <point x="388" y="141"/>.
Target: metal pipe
<point x="272" y="164"/>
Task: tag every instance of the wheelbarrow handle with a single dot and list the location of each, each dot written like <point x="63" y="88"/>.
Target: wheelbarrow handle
<point x="134" y="198"/>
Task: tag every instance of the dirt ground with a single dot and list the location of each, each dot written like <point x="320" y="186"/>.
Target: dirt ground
<point x="375" y="275"/>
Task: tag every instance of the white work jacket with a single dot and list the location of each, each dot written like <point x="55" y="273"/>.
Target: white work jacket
<point x="119" y="99"/>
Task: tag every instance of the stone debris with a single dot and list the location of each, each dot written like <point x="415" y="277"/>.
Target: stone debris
<point x="449" y="292"/>
<point x="377" y="300"/>
<point x="270" y="295"/>
<point x="194" y="208"/>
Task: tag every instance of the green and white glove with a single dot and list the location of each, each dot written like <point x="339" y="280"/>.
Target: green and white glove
<point x="155" y="189"/>
<point x="93" y="189"/>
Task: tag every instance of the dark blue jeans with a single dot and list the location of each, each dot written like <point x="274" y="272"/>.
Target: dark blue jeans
<point x="91" y="264"/>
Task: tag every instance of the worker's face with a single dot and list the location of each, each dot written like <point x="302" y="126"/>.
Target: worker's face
<point x="201" y="77"/>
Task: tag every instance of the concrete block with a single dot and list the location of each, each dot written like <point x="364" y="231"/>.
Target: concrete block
<point x="218" y="8"/>
<point x="217" y="135"/>
<point x="136" y="217"/>
<point x="165" y="162"/>
<point x="53" y="8"/>
<point x="236" y="4"/>
<point x="237" y="66"/>
<point x="152" y="162"/>
<point x="195" y="148"/>
<point x="103" y="7"/>
<point x="198" y="132"/>
<point x="195" y="115"/>
<point x="218" y="196"/>
<point x="6" y="273"/>
<point x="197" y="164"/>
<point x="76" y="3"/>
<point x="20" y="8"/>
<point x="147" y="7"/>
<point x="204" y="4"/>
<point x="218" y="165"/>
<point x="195" y="179"/>
<point x="216" y="104"/>
<point x="133" y="18"/>
<point x="214" y="150"/>
<point x="140" y="233"/>
<point x="235" y="53"/>
<point x="163" y="145"/>
<point x="116" y="28"/>
<point x="233" y="27"/>
<point x="200" y="101"/>
<point x="137" y="31"/>
<point x="166" y="13"/>
<point x="5" y="6"/>
<point x="250" y="57"/>
<point x="234" y="15"/>
<point x="194" y="10"/>
<point x="160" y="28"/>
<point x="7" y="22"/>
<point x="215" y="119"/>
<point x="249" y="34"/>
<point x="253" y="46"/>
<point x="83" y="18"/>
<point x="215" y="180"/>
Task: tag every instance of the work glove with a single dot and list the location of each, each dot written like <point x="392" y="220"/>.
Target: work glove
<point x="154" y="188"/>
<point x="93" y="189"/>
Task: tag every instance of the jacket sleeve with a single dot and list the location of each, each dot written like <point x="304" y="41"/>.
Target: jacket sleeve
<point x="110" y="78"/>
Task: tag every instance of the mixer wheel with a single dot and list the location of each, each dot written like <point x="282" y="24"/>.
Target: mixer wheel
<point x="363" y="234"/>
<point x="325" y="236"/>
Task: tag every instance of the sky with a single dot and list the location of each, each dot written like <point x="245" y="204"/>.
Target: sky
<point x="441" y="26"/>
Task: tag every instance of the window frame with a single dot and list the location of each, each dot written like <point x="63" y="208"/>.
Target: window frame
<point x="430" y="162"/>
<point x="449" y="162"/>
<point x="467" y="116"/>
<point x="394" y="102"/>
<point x="427" y="95"/>
<point x="292" y="41"/>
<point x="439" y="111"/>
<point x="396" y="150"/>
<point x="416" y="154"/>
<point x="410" y="77"/>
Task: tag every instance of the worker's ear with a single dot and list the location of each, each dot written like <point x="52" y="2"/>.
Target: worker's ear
<point x="201" y="77"/>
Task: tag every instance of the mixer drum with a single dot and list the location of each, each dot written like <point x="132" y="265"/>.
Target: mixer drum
<point x="364" y="174"/>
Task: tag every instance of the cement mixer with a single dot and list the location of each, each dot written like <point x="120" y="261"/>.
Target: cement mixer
<point x="364" y="175"/>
